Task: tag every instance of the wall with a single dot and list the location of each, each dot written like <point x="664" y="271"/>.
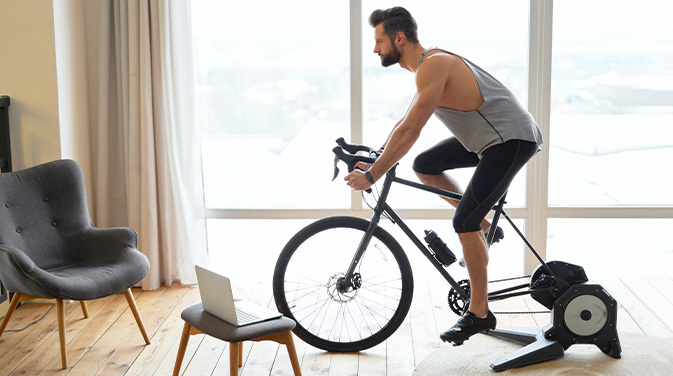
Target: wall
<point x="28" y="76"/>
<point x="43" y="68"/>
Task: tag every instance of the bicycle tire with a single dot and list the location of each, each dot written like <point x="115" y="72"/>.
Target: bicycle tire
<point x="304" y="277"/>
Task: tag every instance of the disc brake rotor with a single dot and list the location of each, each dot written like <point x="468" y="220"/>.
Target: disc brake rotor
<point x="340" y="295"/>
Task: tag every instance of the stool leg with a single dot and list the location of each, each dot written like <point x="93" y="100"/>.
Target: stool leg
<point x="234" y="350"/>
<point x="240" y="354"/>
<point x="292" y="352"/>
<point x="181" y="350"/>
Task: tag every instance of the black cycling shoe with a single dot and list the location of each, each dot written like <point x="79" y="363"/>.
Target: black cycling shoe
<point x="467" y="326"/>
<point x="499" y="235"/>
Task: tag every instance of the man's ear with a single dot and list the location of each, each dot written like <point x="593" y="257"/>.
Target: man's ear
<point x="400" y="37"/>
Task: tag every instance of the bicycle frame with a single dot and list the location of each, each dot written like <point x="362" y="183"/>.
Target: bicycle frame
<point x="383" y="207"/>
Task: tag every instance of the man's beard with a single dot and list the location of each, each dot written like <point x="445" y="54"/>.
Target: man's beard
<point x="391" y="58"/>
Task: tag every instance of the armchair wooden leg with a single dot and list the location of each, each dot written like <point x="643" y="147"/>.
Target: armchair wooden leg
<point x="85" y="310"/>
<point x="10" y="311"/>
<point x="61" y="332"/>
<point x="134" y="308"/>
<point x="181" y="350"/>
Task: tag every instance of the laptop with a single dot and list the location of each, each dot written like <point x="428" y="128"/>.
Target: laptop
<point x="218" y="300"/>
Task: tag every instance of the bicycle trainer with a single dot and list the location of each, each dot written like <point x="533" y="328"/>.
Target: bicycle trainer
<point x="582" y="312"/>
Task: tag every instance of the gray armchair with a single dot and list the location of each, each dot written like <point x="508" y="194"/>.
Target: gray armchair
<point x="50" y="249"/>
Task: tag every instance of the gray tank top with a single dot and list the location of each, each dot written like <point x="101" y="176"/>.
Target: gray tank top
<point x="499" y="119"/>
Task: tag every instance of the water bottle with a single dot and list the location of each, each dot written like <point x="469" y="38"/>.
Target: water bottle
<point x="441" y="250"/>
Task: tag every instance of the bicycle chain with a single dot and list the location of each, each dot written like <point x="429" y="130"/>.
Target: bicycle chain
<point x="515" y="312"/>
<point x="509" y="279"/>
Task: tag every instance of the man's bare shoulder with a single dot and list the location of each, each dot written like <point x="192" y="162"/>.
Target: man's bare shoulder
<point x="438" y="61"/>
<point x="441" y="57"/>
<point x="436" y="65"/>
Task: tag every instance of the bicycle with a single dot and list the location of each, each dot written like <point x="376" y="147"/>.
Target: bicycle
<point x="349" y="285"/>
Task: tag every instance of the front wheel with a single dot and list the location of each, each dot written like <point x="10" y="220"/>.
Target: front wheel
<point x="309" y="285"/>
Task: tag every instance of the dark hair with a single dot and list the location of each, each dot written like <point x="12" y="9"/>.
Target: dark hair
<point x="394" y="20"/>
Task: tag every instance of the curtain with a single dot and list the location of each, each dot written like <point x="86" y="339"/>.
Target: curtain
<point x="145" y="146"/>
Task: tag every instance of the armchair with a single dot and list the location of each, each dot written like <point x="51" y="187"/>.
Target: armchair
<point x="50" y="249"/>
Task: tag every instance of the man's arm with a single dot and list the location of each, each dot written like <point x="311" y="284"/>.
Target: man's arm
<point x="430" y="81"/>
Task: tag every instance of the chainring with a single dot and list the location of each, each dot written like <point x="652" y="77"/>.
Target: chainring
<point x="456" y="302"/>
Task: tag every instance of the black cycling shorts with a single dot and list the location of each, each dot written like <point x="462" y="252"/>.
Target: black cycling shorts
<point x="494" y="173"/>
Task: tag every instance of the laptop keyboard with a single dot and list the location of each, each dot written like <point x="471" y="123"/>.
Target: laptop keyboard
<point x="244" y="316"/>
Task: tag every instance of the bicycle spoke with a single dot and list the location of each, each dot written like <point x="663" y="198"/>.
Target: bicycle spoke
<point x="354" y="324"/>
<point x="306" y="294"/>
<point x="373" y="317"/>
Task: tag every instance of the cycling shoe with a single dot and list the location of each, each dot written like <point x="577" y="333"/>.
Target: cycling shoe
<point x="467" y="326"/>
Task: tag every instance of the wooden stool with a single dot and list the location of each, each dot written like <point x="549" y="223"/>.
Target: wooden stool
<point x="198" y="321"/>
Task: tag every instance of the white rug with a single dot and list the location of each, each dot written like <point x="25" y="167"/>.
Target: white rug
<point x="641" y="355"/>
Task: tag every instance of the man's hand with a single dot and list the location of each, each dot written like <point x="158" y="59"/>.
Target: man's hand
<point x="357" y="180"/>
<point x="363" y="166"/>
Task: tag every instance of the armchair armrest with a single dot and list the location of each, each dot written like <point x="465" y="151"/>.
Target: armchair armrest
<point x="15" y="265"/>
<point x="16" y="258"/>
<point x="109" y="241"/>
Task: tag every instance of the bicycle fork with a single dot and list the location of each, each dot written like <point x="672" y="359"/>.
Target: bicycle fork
<point x="350" y="280"/>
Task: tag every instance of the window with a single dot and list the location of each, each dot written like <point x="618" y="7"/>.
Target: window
<point x="273" y="95"/>
<point x="612" y="104"/>
<point x="276" y="88"/>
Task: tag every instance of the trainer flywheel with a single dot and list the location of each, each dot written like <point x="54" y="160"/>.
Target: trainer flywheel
<point x="585" y="315"/>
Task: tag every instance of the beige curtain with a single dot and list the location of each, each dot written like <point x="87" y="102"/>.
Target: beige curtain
<point x="145" y="144"/>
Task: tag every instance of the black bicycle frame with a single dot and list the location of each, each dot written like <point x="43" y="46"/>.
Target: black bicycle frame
<point x="382" y="207"/>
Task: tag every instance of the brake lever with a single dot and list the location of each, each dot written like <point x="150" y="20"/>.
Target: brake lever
<point x="336" y="168"/>
<point x="350" y="161"/>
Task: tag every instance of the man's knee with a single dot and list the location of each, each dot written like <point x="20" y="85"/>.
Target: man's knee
<point x="463" y="225"/>
<point x="422" y="163"/>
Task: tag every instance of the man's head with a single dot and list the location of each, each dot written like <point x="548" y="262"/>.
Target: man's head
<point x="394" y="24"/>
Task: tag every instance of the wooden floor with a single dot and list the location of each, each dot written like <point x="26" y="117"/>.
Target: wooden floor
<point x="109" y="342"/>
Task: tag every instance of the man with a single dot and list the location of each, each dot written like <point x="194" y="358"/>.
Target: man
<point x="492" y="131"/>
